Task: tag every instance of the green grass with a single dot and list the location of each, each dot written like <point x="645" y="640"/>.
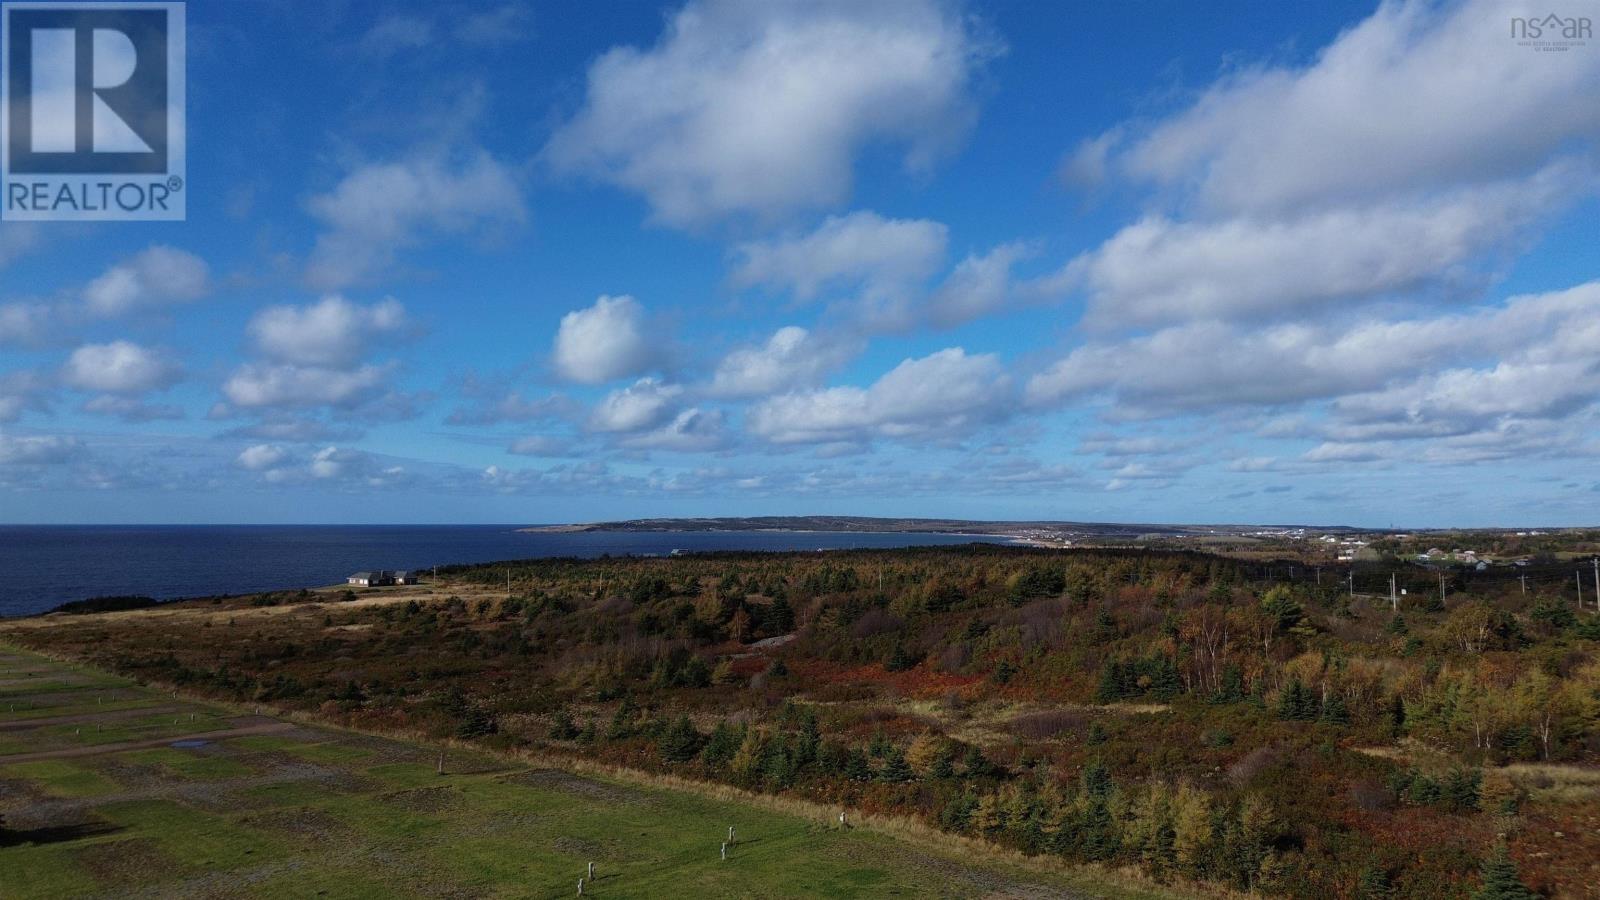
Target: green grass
<point x="50" y="870"/>
<point x="61" y="777"/>
<point x="200" y="840"/>
<point x="188" y="763"/>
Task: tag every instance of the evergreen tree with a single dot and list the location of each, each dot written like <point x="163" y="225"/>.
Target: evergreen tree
<point x="1500" y="878"/>
<point x="1397" y="714"/>
<point x="780" y="616"/>
<point x="976" y="765"/>
<point x="1096" y="780"/>
<point x="680" y="742"/>
<point x="1232" y="687"/>
<point x="622" y="721"/>
<point x="896" y="770"/>
<point x="1334" y="711"/>
<point x="779" y="765"/>
<point x="1098" y="829"/>
<point x="1285" y="610"/>
<point x="1105" y="626"/>
<point x="1111" y="681"/>
<point x="807" y="741"/>
<point x="900" y="660"/>
<point x="1461" y="789"/>
<point x="563" y="728"/>
<point x="1165" y="683"/>
<point x="957" y="814"/>
<point x="477" y="722"/>
<point x="724" y="743"/>
<point x="1374" y="884"/>
<point x="855" y="766"/>
<point x="1298" y="703"/>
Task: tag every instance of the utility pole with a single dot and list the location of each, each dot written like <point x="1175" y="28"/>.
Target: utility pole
<point x="1352" y="582"/>
<point x="1441" y="588"/>
<point x="508" y="584"/>
<point x="1394" y="598"/>
<point x="1319" y="576"/>
<point x="1524" y="580"/>
<point x="1596" y="562"/>
<point x="1579" y="577"/>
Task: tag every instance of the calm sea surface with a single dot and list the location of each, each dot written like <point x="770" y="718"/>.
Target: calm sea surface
<point x="42" y="566"/>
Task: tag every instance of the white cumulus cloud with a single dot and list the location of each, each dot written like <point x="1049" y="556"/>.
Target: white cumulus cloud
<point x="761" y="108"/>
<point x="380" y="209"/>
<point x="158" y="276"/>
<point x="792" y="358"/>
<point x="941" y="395"/>
<point x="604" y="342"/>
<point x="120" y="367"/>
<point x="332" y="332"/>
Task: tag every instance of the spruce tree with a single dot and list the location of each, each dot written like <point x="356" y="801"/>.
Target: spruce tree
<point x="1500" y="878"/>
<point x="1165" y="682"/>
<point x="807" y="741"/>
<point x="1397" y="714"/>
<point x="1110" y="689"/>
<point x="780" y="616"/>
<point x="1374" y="884"/>
<point x="622" y="722"/>
<point x="724" y="743"/>
<point x="563" y="728"/>
<point x="1232" y="687"/>
<point x="855" y="766"/>
<point x="1335" y="712"/>
<point x="976" y="765"/>
<point x="680" y="742"/>
<point x="896" y="770"/>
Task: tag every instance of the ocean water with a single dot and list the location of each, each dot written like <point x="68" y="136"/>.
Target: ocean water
<point x="43" y="566"/>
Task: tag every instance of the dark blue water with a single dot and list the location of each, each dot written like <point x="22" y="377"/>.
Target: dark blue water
<point x="43" y="566"/>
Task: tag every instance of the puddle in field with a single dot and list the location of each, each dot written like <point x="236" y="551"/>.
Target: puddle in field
<point x="190" y="744"/>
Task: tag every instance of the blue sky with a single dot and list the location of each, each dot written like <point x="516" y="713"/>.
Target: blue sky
<point x="1329" y="263"/>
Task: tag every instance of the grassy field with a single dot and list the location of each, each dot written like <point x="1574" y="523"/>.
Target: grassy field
<point x="103" y="796"/>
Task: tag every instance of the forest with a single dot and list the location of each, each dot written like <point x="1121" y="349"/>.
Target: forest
<point x="1224" y="724"/>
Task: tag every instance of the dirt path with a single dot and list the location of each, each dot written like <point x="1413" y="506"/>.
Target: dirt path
<point x="88" y="718"/>
<point x="270" y="726"/>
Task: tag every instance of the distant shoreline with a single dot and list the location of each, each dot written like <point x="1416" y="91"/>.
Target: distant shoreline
<point x="1051" y="532"/>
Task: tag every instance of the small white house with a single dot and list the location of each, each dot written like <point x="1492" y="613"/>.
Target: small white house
<point x="405" y="577"/>
<point x="365" y="579"/>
